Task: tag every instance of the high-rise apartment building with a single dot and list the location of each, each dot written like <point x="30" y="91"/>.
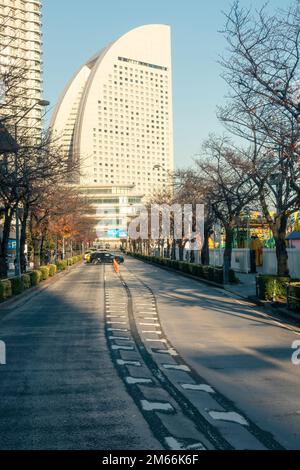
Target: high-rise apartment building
<point x="116" y="117"/>
<point x="21" y="56"/>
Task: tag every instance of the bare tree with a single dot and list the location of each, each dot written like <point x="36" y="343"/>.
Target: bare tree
<point x="192" y="187"/>
<point x="231" y="188"/>
<point x="261" y="67"/>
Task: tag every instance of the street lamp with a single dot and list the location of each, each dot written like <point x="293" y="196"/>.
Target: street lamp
<point x="42" y="103"/>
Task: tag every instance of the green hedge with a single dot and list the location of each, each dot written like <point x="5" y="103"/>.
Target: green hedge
<point x="5" y="289"/>
<point x="17" y="285"/>
<point x="294" y="296"/>
<point x="271" y="287"/>
<point x="210" y="273"/>
<point x="26" y="281"/>
<point x="62" y="265"/>
<point x="35" y="277"/>
<point x="52" y="269"/>
<point x="45" y="273"/>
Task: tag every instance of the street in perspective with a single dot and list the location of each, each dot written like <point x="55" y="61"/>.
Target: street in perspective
<point x="149" y="231"/>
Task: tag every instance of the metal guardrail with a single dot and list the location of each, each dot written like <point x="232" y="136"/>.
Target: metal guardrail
<point x="292" y="301"/>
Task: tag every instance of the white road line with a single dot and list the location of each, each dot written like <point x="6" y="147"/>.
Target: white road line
<point x="156" y="406"/>
<point x="230" y="416"/>
<point x="171" y="352"/>
<point x="117" y="329"/>
<point x="117" y="323"/>
<point x="147" y="313"/>
<point x="174" y="444"/>
<point x="120" y="338"/>
<point x="157" y="340"/>
<point x="152" y="332"/>
<point x="122" y="348"/>
<point x="136" y="381"/>
<point x="198" y="388"/>
<point x="149" y="324"/>
<point x="120" y="362"/>
<point x="177" y="367"/>
<point x="115" y="316"/>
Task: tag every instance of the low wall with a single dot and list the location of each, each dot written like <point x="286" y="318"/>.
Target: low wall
<point x="270" y="261"/>
<point x="240" y="260"/>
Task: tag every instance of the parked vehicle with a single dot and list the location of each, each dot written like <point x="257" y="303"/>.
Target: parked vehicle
<point x="103" y="257"/>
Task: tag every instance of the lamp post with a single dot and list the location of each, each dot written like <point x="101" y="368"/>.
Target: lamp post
<point x="42" y="103"/>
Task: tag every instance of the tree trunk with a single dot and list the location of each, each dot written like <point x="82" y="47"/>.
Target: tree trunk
<point x="4" y="242"/>
<point x="279" y="233"/>
<point x="168" y="248"/>
<point x="228" y="244"/>
<point x="205" y="248"/>
<point x="181" y="250"/>
<point x="173" y="250"/>
<point x="36" y="251"/>
<point x="23" y="238"/>
<point x="42" y="252"/>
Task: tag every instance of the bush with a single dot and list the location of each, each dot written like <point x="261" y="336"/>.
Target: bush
<point x="294" y="295"/>
<point x="35" y="277"/>
<point x="271" y="287"/>
<point x="52" y="269"/>
<point x="26" y="281"/>
<point x="44" y="272"/>
<point x="5" y="289"/>
<point x="17" y="285"/>
<point x="61" y="265"/>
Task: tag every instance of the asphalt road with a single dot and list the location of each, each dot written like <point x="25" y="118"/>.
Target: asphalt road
<point x="59" y="389"/>
<point x="145" y="360"/>
<point x="240" y="351"/>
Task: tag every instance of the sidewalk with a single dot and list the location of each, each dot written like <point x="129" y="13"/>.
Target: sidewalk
<point x="247" y="290"/>
<point x="247" y="286"/>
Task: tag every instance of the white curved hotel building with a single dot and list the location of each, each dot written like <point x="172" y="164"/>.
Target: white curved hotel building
<point x="116" y="116"/>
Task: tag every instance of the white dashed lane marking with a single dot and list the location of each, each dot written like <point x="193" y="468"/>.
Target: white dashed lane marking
<point x="174" y="444"/>
<point x="152" y="332"/>
<point x="122" y="348"/>
<point x="177" y="367"/>
<point x="116" y="316"/>
<point x="137" y="381"/>
<point x="120" y="338"/>
<point x="120" y="362"/>
<point x="118" y="329"/>
<point x="170" y="352"/>
<point x="230" y="416"/>
<point x="198" y="388"/>
<point x="156" y="406"/>
<point x="156" y="340"/>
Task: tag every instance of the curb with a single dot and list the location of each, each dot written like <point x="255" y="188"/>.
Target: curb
<point x="8" y="305"/>
<point x="190" y="276"/>
<point x="282" y="313"/>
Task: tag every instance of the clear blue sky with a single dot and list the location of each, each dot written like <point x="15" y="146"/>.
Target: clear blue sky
<point x="74" y="30"/>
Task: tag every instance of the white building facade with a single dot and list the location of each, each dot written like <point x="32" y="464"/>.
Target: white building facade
<point x="21" y="53"/>
<point x="116" y="115"/>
